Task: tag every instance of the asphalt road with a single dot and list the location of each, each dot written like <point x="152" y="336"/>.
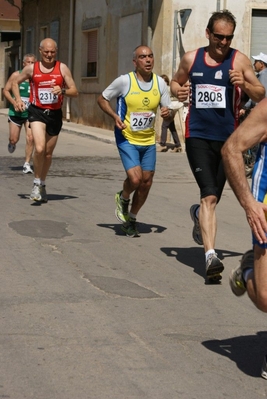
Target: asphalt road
<point x="88" y="313"/>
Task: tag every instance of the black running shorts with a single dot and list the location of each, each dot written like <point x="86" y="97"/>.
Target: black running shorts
<point x="51" y="118"/>
<point x="17" y="120"/>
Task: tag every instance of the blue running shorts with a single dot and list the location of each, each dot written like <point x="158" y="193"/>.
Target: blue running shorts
<point x="137" y="155"/>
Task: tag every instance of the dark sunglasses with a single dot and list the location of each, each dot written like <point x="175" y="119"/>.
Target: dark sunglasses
<point x="222" y="37"/>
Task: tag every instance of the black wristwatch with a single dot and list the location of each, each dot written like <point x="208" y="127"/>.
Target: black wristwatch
<point x="63" y="91"/>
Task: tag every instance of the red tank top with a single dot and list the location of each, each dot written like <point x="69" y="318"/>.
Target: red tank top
<point x="42" y="85"/>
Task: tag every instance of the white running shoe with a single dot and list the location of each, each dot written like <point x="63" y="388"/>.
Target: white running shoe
<point x="27" y="168"/>
<point x="36" y="193"/>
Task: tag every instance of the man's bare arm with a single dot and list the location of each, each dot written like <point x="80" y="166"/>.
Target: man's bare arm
<point x="244" y="76"/>
<point x="71" y="89"/>
<point x="106" y="107"/>
<point x="252" y="131"/>
<point x="25" y="74"/>
<point x="179" y="85"/>
<point x="8" y="89"/>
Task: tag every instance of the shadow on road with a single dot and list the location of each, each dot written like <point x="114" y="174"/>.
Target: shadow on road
<point x="194" y="257"/>
<point x="246" y="351"/>
<point x="143" y="228"/>
<point x="50" y="197"/>
<point x="18" y="168"/>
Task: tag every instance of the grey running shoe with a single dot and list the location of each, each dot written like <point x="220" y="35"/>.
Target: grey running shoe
<point x="130" y="228"/>
<point x="36" y="193"/>
<point x="236" y="281"/>
<point x="196" y="233"/>
<point x="121" y="211"/>
<point x="11" y="147"/>
<point x="27" y="168"/>
<point x="43" y="194"/>
<point x="214" y="268"/>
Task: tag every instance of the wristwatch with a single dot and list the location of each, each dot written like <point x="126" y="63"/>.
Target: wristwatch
<point x="63" y="91"/>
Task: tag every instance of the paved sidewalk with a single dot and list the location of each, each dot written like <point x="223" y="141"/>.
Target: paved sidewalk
<point x="77" y="128"/>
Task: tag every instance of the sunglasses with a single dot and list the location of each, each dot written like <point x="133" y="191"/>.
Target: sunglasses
<point x="222" y="37"/>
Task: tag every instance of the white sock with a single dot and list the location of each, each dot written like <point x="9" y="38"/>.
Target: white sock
<point x="42" y="182"/>
<point x="124" y="199"/>
<point x="132" y="216"/>
<point x="209" y="252"/>
<point x="37" y="181"/>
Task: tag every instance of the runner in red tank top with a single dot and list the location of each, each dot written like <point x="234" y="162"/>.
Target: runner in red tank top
<point x="50" y="81"/>
<point x="42" y="85"/>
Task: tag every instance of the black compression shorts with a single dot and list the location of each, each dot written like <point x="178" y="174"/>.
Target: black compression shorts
<point x="205" y="160"/>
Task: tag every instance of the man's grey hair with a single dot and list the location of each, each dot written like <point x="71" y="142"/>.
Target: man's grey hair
<point x="136" y="48"/>
<point x="29" y="55"/>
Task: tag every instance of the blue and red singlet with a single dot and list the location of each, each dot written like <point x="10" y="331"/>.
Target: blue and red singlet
<point x="214" y="100"/>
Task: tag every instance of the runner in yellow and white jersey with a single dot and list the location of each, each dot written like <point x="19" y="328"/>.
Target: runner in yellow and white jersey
<point x="138" y="94"/>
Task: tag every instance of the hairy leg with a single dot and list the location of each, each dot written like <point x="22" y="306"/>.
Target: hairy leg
<point x="29" y="142"/>
<point x="132" y="182"/>
<point x="141" y="193"/>
<point x="257" y="281"/>
<point x="14" y="133"/>
<point x="39" y="134"/>
<point x="207" y="221"/>
<point x="51" y="142"/>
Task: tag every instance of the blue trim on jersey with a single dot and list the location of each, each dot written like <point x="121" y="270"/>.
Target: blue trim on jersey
<point x="259" y="181"/>
<point x="259" y="178"/>
<point x="121" y="111"/>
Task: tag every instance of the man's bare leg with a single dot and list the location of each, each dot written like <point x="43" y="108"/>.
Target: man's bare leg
<point x="257" y="280"/>
<point x="29" y="143"/>
<point x="51" y="142"/>
<point x="39" y="137"/>
<point x="141" y="193"/>
<point x="14" y="134"/>
<point x="208" y="226"/>
<point x="207" y="221"/>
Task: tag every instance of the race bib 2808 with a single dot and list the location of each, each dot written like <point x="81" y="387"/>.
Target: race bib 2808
<point x="210" y="96"/>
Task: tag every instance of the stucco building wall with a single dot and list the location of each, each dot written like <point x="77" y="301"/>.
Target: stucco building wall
<point x="121" y="26"/>
<point x="9" y="24"/>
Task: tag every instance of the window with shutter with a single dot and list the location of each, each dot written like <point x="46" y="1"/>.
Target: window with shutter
<point x="92" y="53"/>
<point x="258" y="32"/>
